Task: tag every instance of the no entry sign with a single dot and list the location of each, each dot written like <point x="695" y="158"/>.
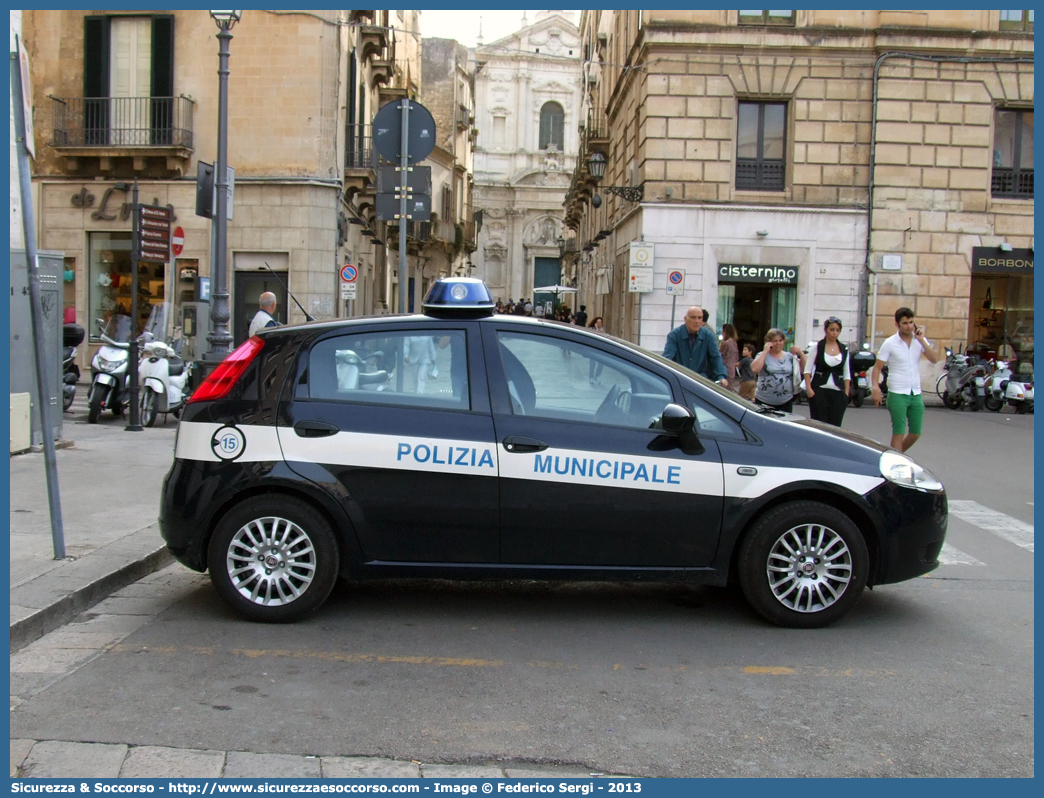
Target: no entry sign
<point x="177" y="241"/>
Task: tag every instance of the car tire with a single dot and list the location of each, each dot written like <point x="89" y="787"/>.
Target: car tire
<point x="273" y="560"/>
<point x="782" y="571"/>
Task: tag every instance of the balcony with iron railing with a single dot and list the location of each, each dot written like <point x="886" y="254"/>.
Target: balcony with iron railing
<point x="1012" y="183"/>
<point x="360" y="160"/>
<point x="108" y="127"/>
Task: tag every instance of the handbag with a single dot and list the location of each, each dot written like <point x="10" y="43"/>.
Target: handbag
<point x="796" y="374"/>
<point x="434" y="373"/>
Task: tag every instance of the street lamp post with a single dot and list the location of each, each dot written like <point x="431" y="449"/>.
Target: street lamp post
<point x="219" y="338"/>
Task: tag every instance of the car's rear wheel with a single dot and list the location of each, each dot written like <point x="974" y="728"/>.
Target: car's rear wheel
<point x="803" y="564"/>
<point x="273" y="560"/>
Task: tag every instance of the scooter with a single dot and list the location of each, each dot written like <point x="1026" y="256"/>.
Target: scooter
<point x="163" y="376"/>
<point x="860" y="365"/>
<point x="965" y="383"/>
<point x="1005" y="388"/>
<point x="109" y="375"/>
<point x="72" y="337"/>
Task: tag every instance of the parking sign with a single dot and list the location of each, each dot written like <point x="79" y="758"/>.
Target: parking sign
<point x="675" y="282"/>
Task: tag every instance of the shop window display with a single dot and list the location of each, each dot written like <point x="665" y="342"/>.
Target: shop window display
<point x="109" y="287"/>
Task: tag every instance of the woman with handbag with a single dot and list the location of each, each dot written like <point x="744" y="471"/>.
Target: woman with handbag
<point x="776" y="371"/>
<point x="827" y="375"/>
<point x="730" y="356"/>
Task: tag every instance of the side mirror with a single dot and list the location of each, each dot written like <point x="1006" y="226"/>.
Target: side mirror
<point x="677" y="419"/>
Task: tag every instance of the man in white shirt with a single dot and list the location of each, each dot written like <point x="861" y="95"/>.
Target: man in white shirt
<point x="902" y="354"/>
<point x="265" y="317"/>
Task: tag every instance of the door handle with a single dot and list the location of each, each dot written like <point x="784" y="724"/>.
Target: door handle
<point x="315" y="429"/>
<point x="522" y="445"/>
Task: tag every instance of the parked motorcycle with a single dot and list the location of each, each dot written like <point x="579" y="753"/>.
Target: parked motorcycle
<point x="1003" y="387"/>
<point x="860" y="365"/>
<point x="72" y="337"/>
<point x="965" y="383"/>
<point x="162" y="374"/>
<point x="109" y="378"/>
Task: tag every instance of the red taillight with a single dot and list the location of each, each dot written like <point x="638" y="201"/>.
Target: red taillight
<point x="229" y="370"/>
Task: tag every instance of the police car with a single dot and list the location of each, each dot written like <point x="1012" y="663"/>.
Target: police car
<point x="466" y="445"/>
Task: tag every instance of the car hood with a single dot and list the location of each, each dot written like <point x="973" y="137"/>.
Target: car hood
<point x="838" y="432"/>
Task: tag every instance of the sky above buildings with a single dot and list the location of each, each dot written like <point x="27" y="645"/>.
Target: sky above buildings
<point x="464" y="25"/>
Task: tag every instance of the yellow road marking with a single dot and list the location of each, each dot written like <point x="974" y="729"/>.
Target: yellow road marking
<point x="475" y="662"/>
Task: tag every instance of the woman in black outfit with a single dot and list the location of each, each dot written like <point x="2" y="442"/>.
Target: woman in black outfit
<point x="828" y="376"/>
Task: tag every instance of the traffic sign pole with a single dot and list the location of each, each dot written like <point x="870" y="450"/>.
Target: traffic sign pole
<point x="134" y="421"/>
<point x="674" y="305"/>
<point x="404" y="163"/>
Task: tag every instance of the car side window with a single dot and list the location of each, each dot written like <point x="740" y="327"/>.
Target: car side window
<point x="561" y="379"/>
<point x="712" y="422"/>
<point x="418" y="368"/>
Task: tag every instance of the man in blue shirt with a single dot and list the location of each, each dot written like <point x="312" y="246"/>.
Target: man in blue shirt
<point x="693" y="346"/>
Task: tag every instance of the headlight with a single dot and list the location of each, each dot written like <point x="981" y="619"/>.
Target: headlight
<point x="901" y="470"/>
<point x="106" y="365"/>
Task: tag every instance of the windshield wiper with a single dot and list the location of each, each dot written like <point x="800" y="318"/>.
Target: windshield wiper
<point x="765" y="410"/>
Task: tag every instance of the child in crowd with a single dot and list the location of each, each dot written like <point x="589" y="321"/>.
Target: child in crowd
<point x="747" y="380"/>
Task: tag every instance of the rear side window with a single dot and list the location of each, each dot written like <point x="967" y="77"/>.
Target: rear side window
<point x="418" y="368"/>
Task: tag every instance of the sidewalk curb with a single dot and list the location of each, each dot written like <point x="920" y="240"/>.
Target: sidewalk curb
<point x="49" y="618"/>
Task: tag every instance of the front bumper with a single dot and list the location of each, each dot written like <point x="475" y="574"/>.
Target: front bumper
<point x="911" y="531"/>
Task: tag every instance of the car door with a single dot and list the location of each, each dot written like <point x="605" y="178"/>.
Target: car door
<point x="585" y="477"/>
<point x="396" y="420"/>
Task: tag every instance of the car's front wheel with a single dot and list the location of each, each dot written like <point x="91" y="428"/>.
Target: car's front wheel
<point x="803" y="564"/>
<point x="273" y="560"/>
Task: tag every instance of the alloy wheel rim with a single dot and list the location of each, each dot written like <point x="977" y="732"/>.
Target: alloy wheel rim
<point x="809" y="568"/>
<point x="271" y="561"/>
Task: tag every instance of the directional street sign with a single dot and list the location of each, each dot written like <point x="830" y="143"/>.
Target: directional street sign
<point x="154" y="233"/>
<point x="418" y="179"/>
<point x="418" y="207"/>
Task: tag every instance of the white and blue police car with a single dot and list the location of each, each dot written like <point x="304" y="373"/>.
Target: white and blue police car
<point x="438" y="445"/>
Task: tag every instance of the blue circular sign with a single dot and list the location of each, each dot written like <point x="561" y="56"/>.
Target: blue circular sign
<point x="676" y="277"/>
<point x="349" y="273"/>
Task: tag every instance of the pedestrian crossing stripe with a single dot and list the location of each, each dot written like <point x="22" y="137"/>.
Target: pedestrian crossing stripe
<point x="999" y="524"/>
<point x="951" y="555"/>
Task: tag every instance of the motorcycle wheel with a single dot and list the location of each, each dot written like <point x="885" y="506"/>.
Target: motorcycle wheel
<point x="94" y="405"/>
<point x="67" y="399"/>
<point x="117" y="409"/>
<point x="975" y="405"/>
<point x="857" y="400"/>
<point x="1021" y="409"/>
<point x="993" y="404"/>
<point x="952" y="402"/>
<point x="148" y="407"/>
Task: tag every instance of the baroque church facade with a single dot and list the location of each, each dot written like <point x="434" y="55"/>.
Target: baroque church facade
<point x="528" y="89"/>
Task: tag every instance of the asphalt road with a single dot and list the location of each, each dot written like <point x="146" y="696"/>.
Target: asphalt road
<point x="933" y="677"/>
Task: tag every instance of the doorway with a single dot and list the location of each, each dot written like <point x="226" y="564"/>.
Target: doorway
<point x="755" y="308"/>
<point x="546" y="271"/>
<point x="247" y="291"/>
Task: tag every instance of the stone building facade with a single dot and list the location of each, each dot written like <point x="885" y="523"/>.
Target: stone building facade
<point x="127" y="98"/>
<point x="448" y="92"/>
<point x="528" y="93"/>
<point x="796" y="165"/>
